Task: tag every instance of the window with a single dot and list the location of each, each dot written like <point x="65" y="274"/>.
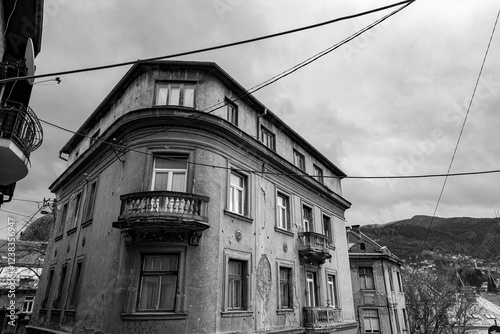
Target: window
<point x="74" y="209"/>
<point x="175" y="94"/>
<point x="327" y="227"/>
<point x="283" y="211"/>
<point x="169" y="172"/>
<point x="237" y="281"/>
<point x="47" y="289"/>
<point x="28" y="304"/>
<point x="268" y="138"/>
<point x="236" y="285"/>
<point x="285" y="288"/>
<point x="405" y="321"/>
<point x="89" y="210"/>
<point x="57" y="302"/>
<point x="400" y="285"/>
<point x="311" y="293"/>
<point x="307" y="218"/>
<point x="318" y="174"/>
<point x="299" y="160"/>
<point x="76" y="284"/>
<point x="331" y="291"/>
<point x="391" y="280"/>
<point x="158" y="282"/>
<point x="366" y="278"/>
<point x="237" y="193"/>
<point x="64" y="215"/>
<point x="231" y="112"/>
<point x="371" y="321"/>
<point x="396" y="319"/>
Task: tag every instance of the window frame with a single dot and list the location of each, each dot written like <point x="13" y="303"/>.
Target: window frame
<point x="90" y="201"/>
<point x="333" y="293"/>
<point x="318" y="174"/>
<point x="285" y="265"/>
<point x="244" y="193"/>
<point x="286" y="208"/>
<point x="64" y="217"/>
<point x="307" y="221"/>
<point x="268" y="138"/>
<point x="231" y="112"/>
<point x="246" y="261"/>
<point x="363" y="273"/>
<point x="182" y="93"/>
<point x="370" y="321"/>
<point x="48" y="288"/>
<point x="75" y="285"/>
<point x="400" y="283"/>
<point x="170" y="171"/>
<point x="158" y="273"/>
<point x="299" y="160"/>
<point x="328" y="234"/>
<point x="315" y="284"/>
<point x="28" y="304"/>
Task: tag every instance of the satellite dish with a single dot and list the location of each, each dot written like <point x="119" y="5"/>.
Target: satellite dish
<point x="29" y="57"/>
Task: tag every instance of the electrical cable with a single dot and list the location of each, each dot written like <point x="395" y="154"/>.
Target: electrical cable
<point x="246" y="41"/>
<point x="8" y="20"/>
<point x="460" y="134"/>
<point x="211" y="109"/>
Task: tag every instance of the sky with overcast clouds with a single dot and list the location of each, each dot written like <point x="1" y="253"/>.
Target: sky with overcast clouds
<point x="391" y="102"/>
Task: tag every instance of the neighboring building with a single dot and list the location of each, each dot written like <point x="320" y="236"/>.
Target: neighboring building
<point x="484" y="315"/>
<point x="20" y="129"/>
<point x="377" y="286"/>
<point x="187" y="207"/>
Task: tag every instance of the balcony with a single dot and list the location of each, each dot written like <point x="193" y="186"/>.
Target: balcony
<point x="321" y="317"/>
<point x="162" y="216"/>
<point x="313" y="248"/>
<point x="20" y="134"/>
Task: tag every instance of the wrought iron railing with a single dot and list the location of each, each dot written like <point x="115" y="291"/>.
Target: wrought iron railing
<point x="20" y="124"/>
<point x="321" y="316"/>
<point x="167" y="202"/>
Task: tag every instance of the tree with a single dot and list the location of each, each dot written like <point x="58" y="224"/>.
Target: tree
<point x="436" y="306"/>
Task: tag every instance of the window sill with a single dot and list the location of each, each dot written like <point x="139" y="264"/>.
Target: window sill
<point x="59" y="237"/>
<point x="280" y="230"/>
<point x="153" y="316"/>
<point x="285" y="311"/>
<point x="88" y="222"/>
<point x="235" y="314"/>
<point x="238" y="216"/>
<point x="71" y="231"/>
<point x="70" y="312"/>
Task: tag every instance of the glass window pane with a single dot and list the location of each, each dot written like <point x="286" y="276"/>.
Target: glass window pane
<point x="175" y="95"/>
<point x="167" y="294"/>
<point x="161" y="181"/>
<point x="188" y="96"/>
<point x="171" y="162"/>
<point x="237" y="180"/>
<point x="179" y="182"/>
<point x="149" y="293"/>
<point x="161" y="95"/>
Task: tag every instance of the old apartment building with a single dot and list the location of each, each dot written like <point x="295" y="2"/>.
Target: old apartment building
<point x="188" y="207"/>
<point x="377" y="286"/>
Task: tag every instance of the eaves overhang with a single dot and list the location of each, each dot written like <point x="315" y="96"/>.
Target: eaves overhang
<point x="374" y="257"/>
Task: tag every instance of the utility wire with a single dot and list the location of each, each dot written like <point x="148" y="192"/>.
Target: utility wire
<point x="209" y="110"/>
<point x="460" y="134"/>
<point x="246" y="41"/>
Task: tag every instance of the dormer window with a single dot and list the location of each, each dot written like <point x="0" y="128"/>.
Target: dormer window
<point x="175" y="94"/>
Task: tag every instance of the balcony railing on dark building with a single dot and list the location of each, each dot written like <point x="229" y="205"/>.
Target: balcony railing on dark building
<point x="162" y="216"/>
<point x="313" y="247"/>
<point x="321" y="317"/>
<point x="20" y="125"/>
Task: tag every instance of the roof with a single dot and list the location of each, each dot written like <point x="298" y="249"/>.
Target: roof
<point x="360" y="245"/>
<point x="214" y="69"/>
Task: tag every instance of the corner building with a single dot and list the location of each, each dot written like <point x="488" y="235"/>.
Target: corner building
<point x="188" y="207"/>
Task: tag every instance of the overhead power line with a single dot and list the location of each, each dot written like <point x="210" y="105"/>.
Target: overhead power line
<point x="246" y="41"/>
<point x="460" y="134"/>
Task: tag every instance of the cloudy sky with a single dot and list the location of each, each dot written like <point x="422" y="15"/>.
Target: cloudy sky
<point x="391" y="102"/>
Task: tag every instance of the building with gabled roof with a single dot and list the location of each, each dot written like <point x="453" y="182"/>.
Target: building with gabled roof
<point x="377" y="285"/>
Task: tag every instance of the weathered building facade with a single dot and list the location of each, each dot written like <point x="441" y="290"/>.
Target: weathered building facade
<point x="188" y="207"/>
<point x="377" y="286"/>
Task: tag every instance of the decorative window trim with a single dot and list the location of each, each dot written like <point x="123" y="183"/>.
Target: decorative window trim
<point x="179" y="312"/>
<point x="245" y="258"/>
<point x="292" y="281"/>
